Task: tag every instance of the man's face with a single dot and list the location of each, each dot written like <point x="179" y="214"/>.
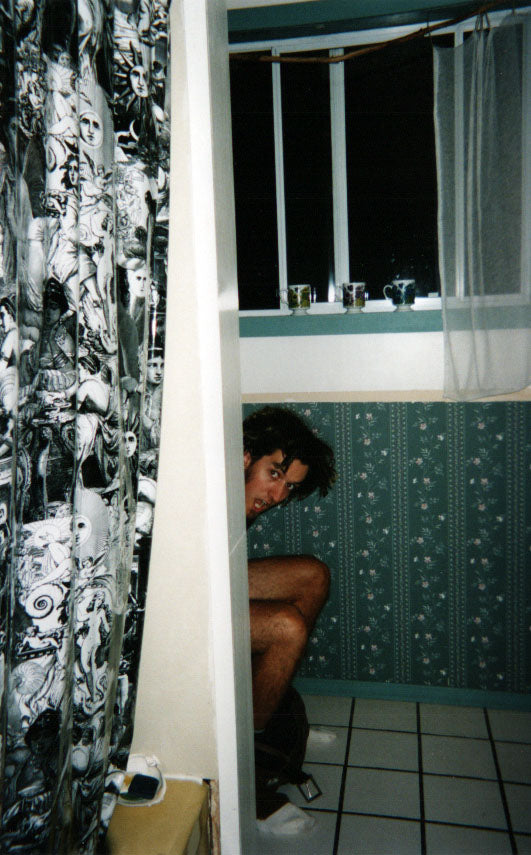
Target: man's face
<point x="90" y="128"/>
<point x="137" y="76"/>
<point x="155" y="370"/>
<point x="52" y="313"/>
<point x="137" y="280"/>
<point x="266" y="484"/>
<point x="130" y="443"/>
<point x="73" y="172"/>
<point x="82" y="529"/>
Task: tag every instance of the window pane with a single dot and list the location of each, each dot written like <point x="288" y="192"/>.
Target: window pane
<point x="254" y="184"/>
<point x="308" y="175"/>
<point x="392" y="190"/>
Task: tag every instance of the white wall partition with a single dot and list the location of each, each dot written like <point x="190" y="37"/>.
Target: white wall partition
<point x="194" y="704"/>
<point x="382" y="362"/>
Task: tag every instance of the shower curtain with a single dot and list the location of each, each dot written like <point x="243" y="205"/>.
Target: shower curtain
<point x="84" y="162"/>
<point x="482" y="91"/>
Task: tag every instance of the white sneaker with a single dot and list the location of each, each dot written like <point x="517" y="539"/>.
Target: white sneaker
<point x="287" y="821"/>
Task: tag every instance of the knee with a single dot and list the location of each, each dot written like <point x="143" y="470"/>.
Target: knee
<point x="291" y="627"/>
<point x="317" y="576"/>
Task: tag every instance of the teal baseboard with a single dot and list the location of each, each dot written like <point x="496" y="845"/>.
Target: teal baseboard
<point x="422" y="694"/>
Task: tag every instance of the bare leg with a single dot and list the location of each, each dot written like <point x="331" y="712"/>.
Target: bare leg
<point x="287" y="594"/>
<point x="279" y="637"/>
<point x="300" y="580"/>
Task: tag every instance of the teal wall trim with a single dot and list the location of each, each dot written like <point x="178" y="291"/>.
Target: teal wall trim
<point x="420" y="694"/>
<point x="427" y="534"/>
<point x="425" y="320"/>
<point x="326" y="16"/>
<point x="294" y="20"/>
<point x="420" y="320"/>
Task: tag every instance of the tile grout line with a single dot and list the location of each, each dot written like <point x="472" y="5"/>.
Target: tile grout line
<point x="514" y="848"/>
<point x="343" y="780"/>
<point x="454" y="775"/>
<point x="463" y="736"/>
<point x="421" y="786"/>
<point x="438" y="822"/>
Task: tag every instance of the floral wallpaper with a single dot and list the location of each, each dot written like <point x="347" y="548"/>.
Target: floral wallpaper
<point x="427" y="535"/>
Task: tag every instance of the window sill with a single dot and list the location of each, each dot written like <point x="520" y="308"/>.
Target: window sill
<point x="379" y="316"/>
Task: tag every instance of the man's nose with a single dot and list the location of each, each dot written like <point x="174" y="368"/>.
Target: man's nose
<point x="278" y="491"/>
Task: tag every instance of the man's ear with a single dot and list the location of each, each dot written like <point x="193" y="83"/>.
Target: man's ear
<point x="246" y="459"/>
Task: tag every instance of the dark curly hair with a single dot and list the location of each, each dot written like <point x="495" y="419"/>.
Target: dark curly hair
<point x="272" y="428"/>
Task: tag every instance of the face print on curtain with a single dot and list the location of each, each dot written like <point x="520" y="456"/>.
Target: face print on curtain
<point x="84" y="166"/>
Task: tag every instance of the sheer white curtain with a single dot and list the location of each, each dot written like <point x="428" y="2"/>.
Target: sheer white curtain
<point x="483" y="138"/>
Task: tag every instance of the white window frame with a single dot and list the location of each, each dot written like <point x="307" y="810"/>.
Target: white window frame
<point x="336" y="43"/>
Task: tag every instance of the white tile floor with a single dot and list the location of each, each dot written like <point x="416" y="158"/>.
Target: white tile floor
<point x="416" y="779"/>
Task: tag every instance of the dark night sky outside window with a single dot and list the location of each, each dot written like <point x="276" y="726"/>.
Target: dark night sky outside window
<point x="391" y="173"/>
<point x="254" y="184"/>
<point x="392" y="189"/>
<point x="308" y="176"/>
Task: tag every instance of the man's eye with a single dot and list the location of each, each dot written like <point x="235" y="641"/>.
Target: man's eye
<point x="274" y="474"/>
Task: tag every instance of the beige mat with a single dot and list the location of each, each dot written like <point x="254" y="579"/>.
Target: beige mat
<point x="176" y="826"/>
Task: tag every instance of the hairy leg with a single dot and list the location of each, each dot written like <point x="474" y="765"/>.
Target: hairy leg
<point x="286" y="595"/>
<point x="279" y="636"/>
<point x="300" y="580"/>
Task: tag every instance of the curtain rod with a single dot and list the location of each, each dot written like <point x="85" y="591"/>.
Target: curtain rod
<point x="329" y="60"/>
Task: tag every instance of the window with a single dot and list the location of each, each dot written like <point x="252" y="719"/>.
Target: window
<point x="391" y="176"/>
<point x="307" y="152"/>
<point x="335" y="167"/>
<point x="254" y="184"/>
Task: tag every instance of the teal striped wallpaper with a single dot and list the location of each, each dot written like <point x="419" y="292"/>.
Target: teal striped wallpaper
<point x="427" y="535"/>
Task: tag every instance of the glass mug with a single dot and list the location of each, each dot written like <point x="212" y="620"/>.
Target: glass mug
<point x="401" y="292"/>
<point x="298" y="298"/>
<point x="353" y="295"/>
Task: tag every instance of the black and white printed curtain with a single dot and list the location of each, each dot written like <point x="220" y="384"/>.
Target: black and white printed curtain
<point x="84" y="163"/>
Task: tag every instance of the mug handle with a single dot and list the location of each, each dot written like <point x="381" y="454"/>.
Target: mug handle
<point x="390" y="296"/>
